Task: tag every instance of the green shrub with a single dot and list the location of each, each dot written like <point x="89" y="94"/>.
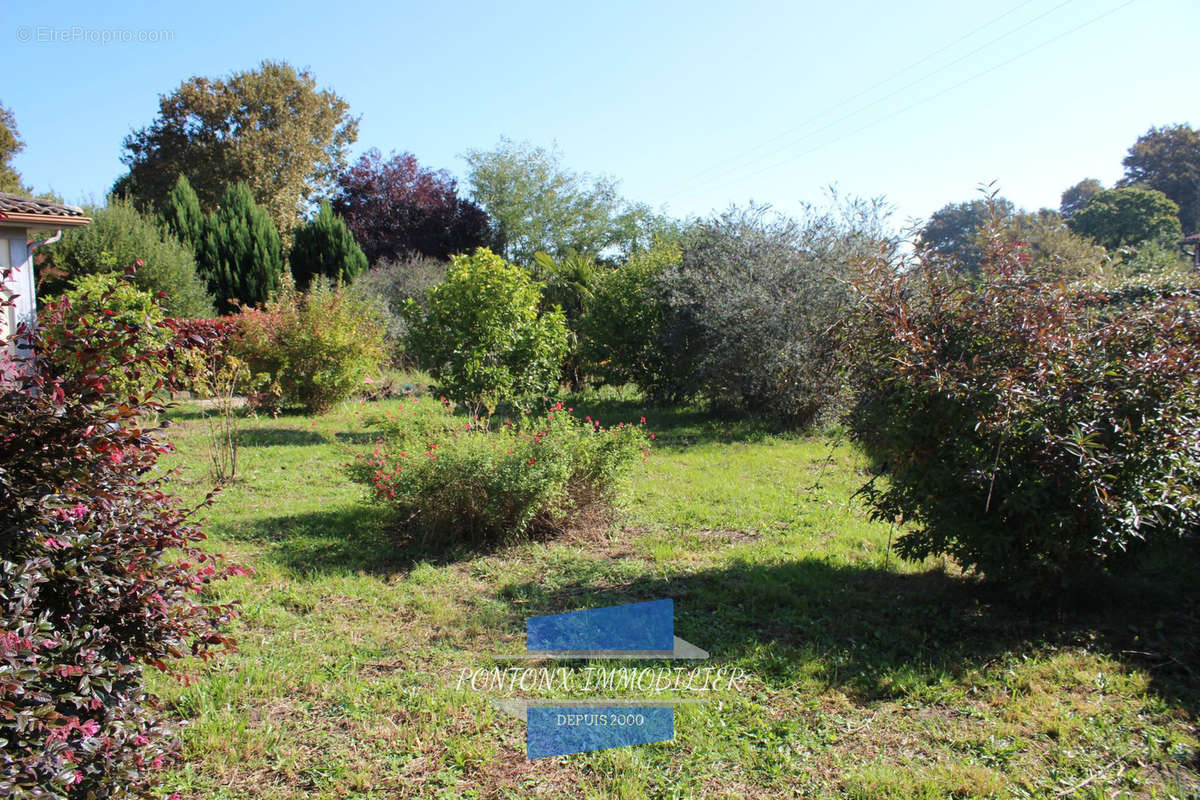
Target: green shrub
<point x="325" y="246"/>
<point x="451" y="478"/>
<point x="481" y="335"/>
<point x="623" y="332"/>
<point x="395" y="283"/>
<point x="318" y="347"/>
<point x="570" y="284"/>
<point x="129" y="318"/>
<point x="119" y="236"/>
<point x="758" y="298"/>
<point x="183" y="215"/>
<point x="1031" y="430"/>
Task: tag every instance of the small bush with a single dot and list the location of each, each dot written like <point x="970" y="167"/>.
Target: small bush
<point x="118" y="236"/>
<point x="101" y="576"/>
<point x="481" y="335"/>
<point x="318" y="347"/>
<point x="454" y="479"/>
<point x="1032" y="430"/>
<point x="130" y="322"/>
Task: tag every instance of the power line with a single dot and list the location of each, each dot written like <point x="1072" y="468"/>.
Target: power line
<point x="743" y="163"/>
<point x="931" y="97"/>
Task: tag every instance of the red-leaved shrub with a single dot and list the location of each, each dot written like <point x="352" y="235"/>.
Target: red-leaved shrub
<point x="101" y="575"/>
<point x="1033" y="430"/>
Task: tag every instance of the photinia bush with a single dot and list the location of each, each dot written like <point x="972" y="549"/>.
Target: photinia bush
<point x="1033" y="430"/>
<point x="199" y="349"/>
<point x="110" y="308"/>
<point x="456" y="479"/>
<point x="101" y="573"/>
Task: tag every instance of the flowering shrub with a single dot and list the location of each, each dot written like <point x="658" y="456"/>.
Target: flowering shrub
<point x="318" y="347"/>
<point x="457" y="479"/>
<point x="1032" y="430"/>
<point x="88" y="596"/>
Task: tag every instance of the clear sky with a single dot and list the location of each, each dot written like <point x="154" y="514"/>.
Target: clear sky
<point x="692" y="104"/>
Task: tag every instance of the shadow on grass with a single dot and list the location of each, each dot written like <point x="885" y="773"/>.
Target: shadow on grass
<point x="278" y="437"/>
<point x="361" y="538"/>
<point x="875" y="633"/>
<point x="677" y="426"/>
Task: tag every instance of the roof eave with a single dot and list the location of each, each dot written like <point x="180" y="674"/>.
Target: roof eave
<point x="41" y="221"/>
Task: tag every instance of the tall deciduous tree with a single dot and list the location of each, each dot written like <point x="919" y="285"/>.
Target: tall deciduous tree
<point x="1168" y="159"/>
<point x="952" y="232"/>
<point x="1120" y="217"/>
<point x="397" y="208"/>
<point x="1076" y="197"/>
<point x="325" y="246"/>
<point x="241" y="255"/>
<point x="270" y="127"/>
<point x="537" y="204"/>
<point x="10" y="145"/>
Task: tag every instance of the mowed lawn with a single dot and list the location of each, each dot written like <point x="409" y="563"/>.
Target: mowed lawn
<point x="868" y="677"/>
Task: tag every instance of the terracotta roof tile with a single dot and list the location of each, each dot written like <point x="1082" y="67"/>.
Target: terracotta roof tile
<point x="17" y="204"/>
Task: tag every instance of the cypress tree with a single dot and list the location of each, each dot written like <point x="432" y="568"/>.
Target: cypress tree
<point x="325" y="246"/>
<point x="182" y="214"/>
<point x="241" y="255"/>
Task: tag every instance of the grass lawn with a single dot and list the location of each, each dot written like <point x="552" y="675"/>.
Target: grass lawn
<point x="868" y="677"/>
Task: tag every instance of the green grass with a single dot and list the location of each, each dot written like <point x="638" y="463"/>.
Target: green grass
<point x="869" y="677"/>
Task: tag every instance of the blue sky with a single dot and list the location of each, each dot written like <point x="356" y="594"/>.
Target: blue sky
<point x="692" y="105"/>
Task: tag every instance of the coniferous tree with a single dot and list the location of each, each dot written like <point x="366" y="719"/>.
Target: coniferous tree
<point x="241" y="255"/>
<point x="183" y="215"/>
<point x="325" y="246"/>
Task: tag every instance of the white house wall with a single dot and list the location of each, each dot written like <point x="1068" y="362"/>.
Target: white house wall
<point x="13" y="250"/>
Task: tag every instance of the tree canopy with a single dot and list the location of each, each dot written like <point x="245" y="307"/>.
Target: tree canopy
<point x="952" y="232"/>
<point x="1076" y="197"/>
<point x="1168" y="159"/>
<point x="397" y="208"/>
<point x="537" y="204"/>
<point x="10" y="145"/>
<point x="270" y="127"/>
<point x="1128" y="217"/>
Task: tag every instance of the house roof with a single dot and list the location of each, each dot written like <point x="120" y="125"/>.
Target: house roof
<point x="31" y="212"/>
<point x="1193" y="238"/>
